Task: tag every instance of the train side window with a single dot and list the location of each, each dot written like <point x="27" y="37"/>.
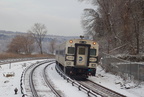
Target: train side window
<point x="92" y="52"/>
<point x="82" y="51"/>
<point x="71" y="50"/>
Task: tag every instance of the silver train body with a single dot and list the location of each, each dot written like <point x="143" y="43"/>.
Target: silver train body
<point x="78" y="58"/>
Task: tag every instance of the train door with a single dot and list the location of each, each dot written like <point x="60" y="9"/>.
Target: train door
<point x="82" y="55"/>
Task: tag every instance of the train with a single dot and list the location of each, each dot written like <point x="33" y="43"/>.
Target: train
<point x="78" y="58"/>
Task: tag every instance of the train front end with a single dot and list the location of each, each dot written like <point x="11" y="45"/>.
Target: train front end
<point x="81" y="58"/>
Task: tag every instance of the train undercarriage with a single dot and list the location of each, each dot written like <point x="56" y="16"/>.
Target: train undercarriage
<point x="78" y="72"/>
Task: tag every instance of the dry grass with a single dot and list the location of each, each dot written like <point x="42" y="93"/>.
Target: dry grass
<point x="12" y="56"/>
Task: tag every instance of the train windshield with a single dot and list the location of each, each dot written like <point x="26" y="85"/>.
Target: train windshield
<point x="82" y="51"/>
<point x="71" y="50"/>
<point x="92" y="52"/>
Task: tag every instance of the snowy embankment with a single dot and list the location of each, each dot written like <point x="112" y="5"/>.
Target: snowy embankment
<point x="8" y="84"/>
<point x="118" y="84"/>
<point x="10" y="75"/>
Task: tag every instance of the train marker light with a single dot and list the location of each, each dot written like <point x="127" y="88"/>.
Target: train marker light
<point x="94" y="43"/>
<point x="71" y="41"/>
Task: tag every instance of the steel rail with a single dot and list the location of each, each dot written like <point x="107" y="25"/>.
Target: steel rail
<point x="33" y="90"/>
<point x="48" y="82"/>
<point x="75" y="83"/>
<point x="116" y="94"/>
<point x="103" y="91"/>
<point x="22" y="81"/>
<point x="89" y="90"/>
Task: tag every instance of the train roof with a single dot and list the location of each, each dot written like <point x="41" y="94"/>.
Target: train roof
<point x="81" y="40"/>
<point x="75" y="40"/>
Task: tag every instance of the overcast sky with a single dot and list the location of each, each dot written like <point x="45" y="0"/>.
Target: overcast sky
<point x="61" y="17"/>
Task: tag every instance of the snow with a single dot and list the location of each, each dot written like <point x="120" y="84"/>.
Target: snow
<point x="61" y="84"/>
<point x="8" y="84"/>
<point x="118" y="84"/>
<point x="40" y="85"/>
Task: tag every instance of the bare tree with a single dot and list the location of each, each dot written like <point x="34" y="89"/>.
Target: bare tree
<point x="92" y="23"/>
<point x="28" y="42"/>
<point x="119" y="22"/>
<point x="15" y="46"/>
<point x="137" y="23"/>
<point x="39" y="31"/>
<point x="21" y="44"/>
<point x="99" y="22"/>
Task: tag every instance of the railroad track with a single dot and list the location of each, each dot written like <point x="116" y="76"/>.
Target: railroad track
<point x="91" y="88"/>
<point x="33" y="88"/>
<point x="101" y="90"/>
<point x="77" y="84"/>
<point x="49" y="84"/>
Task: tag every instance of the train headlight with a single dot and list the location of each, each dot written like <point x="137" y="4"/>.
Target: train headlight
<point x="94" y="43"/>
<point x="70" y="41"/>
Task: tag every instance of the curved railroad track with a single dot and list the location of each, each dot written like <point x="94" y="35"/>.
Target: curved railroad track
<point x="49" y="83"/>
<point x="101" y="90"/>
<point x="90" y="87"/>
<point x="37" y="84"/>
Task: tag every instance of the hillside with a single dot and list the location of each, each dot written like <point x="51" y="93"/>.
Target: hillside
<point x="7" y="36"/>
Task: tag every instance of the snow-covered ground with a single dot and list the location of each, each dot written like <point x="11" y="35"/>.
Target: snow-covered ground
<point x="8" y="84"/>
<point x="118" y="84"/>
<point x="60" y="84"/>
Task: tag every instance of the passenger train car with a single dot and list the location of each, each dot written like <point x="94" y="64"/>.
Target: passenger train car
<point x="78" y="58"/>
